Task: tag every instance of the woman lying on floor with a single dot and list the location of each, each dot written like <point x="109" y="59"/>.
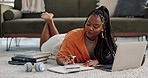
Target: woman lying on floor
<point x="92" y="45"/>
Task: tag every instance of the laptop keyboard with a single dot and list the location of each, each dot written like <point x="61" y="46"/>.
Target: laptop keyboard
<point x="104" y="67"/>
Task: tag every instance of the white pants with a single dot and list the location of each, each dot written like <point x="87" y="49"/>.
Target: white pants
<point x="53" y="44"/>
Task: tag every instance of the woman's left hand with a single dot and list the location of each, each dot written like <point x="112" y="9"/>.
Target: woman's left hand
<point x="91" y="63"/>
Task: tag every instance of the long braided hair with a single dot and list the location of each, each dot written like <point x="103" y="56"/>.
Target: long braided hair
<point x="105" y="48"/>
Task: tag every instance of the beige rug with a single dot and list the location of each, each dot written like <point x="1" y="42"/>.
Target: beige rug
<point x="17" y="71"/>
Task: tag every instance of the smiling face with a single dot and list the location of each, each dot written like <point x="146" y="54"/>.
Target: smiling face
<point x="93" y="27"/>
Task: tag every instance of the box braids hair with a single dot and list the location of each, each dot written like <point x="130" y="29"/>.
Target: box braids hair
<point x="105" y="48"/>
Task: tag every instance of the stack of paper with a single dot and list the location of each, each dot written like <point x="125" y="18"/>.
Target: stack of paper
<point x="69" y="68"/>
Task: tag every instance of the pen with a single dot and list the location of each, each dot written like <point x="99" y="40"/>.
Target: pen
<point x="71" y="57"/>
<point x="73" y="68"/>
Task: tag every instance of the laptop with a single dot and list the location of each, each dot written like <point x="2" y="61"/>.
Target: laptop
<point x="128" y="56"/>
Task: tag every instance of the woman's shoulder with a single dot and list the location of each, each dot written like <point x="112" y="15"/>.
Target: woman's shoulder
<point x="77" y="30"/>
<point x="75" y="34"/>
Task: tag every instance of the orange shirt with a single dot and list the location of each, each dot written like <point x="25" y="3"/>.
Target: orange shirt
<point x="74" y="44"/>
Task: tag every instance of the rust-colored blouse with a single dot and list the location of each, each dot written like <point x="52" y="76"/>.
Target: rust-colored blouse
<point x="74" y="44"/>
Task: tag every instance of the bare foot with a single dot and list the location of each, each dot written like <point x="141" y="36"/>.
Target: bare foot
<point x="47" y="16"/>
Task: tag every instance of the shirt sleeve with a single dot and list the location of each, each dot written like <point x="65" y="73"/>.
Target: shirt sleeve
<point x="67" y="48"/>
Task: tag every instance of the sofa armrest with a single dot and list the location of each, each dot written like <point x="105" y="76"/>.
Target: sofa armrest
<point x="12" y="14"/>
<point x="3" y="8"/>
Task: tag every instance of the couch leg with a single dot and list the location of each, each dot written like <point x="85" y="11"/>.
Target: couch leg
<point x="17" y="41"/>
<point x="142" y="38"/>
<point x="8" y="44"/>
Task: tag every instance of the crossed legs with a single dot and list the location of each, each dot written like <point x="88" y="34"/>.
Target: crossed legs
<point x="49" y="29"/>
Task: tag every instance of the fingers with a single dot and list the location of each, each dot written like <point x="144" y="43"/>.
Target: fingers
<point x="69" y="59"/>
<point x="88" y="63"/>
<point x="66" y="60"/>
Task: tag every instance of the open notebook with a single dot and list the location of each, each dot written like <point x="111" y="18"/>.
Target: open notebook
<point x="69" y="68"/>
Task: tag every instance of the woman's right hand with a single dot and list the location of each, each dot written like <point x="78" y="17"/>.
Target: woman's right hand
<point x="66" y="60"/>
<point x="69" y="59"/>
<point x="47" y="16"/>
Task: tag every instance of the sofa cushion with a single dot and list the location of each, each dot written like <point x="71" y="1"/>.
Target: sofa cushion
<point x="18" y="4"/>
<point x="12" y="14"/>
<point x="129" y="25"/>
<point x="97" y="3"/>
<point x="85" y="7"/>
<point x="124" y="8"/>
<point x="110" y="5"/>
<point x="23" y="26"/>
<point x="62" y="8"/>
<point x="35" y="25"/>
<point x="146" y="13"/>
<point x="66" y="24"/>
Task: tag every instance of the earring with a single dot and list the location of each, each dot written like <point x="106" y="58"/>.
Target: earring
<point x="102" y="35"/>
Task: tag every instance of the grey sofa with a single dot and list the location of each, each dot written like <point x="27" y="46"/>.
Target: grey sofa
<point x="127" y="19"/>
<point x="69" y="14"/>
